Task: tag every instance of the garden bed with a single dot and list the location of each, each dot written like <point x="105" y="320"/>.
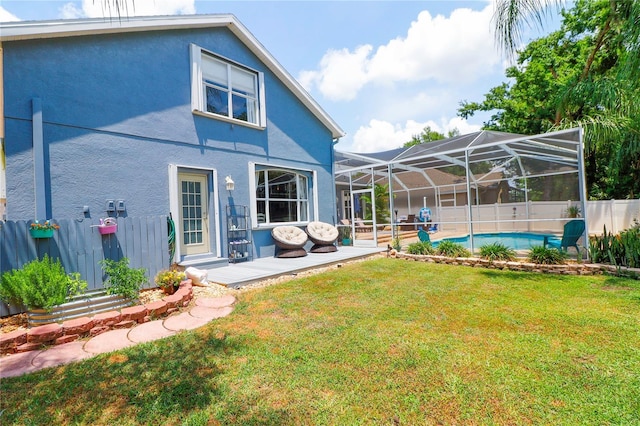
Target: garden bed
<point x="23" y="340"/>
<point x="517" y="265"/>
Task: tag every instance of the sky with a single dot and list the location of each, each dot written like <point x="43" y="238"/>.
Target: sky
<point x="383" y="70"/>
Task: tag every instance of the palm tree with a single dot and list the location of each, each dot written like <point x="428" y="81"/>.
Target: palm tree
<point x="511" y="15"/>
<point x="119" y="7"/>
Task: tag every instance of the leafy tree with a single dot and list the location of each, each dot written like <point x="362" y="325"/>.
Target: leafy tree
<point x="427" y="135"/>
<point x="453" y="132"/>
<point x="582" y="75"/>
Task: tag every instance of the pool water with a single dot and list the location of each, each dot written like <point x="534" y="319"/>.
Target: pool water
<point x="514" y="240"/>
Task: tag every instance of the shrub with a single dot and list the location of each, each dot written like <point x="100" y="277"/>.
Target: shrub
<point x="421" y="248"/>
<point x="40" y="284"/>
<point x="451" y="249"/>
<point x="547" y="255"/>
<point x="497" y="251"/>
<point x="396" y="244"/>
<point x="122" y="279"/>
<point x="620" y="250"/>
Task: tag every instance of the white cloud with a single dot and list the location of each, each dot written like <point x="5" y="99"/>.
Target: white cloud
<point x="71" y="11"/>
<point x="454" y="49"/>
<point x="462" y="125"/>
<point x="380" y="135"/>
<point x="99" y="9"/>
<point x="6" y="16"/>
<point x="343" y="73"/>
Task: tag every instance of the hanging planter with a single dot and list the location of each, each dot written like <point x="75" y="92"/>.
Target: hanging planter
<point x="42" y="230"/>
<point x="41" y="233"/>
<point x="108" y="226"/>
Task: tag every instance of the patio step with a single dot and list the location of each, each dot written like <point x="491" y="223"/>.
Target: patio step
<point x="206" y="262"/>
<point x="386" y="238"/>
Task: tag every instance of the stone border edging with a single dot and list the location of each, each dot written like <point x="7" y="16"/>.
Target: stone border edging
<point x="565" y="269"/>
<point x="56" y="334"/>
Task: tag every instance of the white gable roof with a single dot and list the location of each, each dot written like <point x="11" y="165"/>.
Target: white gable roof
<point x="25" y="30"/>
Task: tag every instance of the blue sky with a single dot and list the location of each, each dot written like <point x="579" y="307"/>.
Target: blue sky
<point x="383" y="70"/>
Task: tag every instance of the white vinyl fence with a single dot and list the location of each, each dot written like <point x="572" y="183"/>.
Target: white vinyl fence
<point x="616" y="215"/>
<point x="538" y="216"/>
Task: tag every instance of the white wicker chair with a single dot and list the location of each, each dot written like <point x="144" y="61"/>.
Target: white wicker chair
<point x="290" y="241"/>
<point x="323" y="236"/>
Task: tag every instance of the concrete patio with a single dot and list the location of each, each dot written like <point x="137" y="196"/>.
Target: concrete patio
<point x="240" y="274"/>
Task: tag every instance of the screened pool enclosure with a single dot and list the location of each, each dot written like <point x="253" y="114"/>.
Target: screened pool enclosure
<point x="482" y="182"/>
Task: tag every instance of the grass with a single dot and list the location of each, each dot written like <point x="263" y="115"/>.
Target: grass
<point x="376" y="342"/>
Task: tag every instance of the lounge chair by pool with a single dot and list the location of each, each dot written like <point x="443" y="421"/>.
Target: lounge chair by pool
<point x="423" y="236"/>
<point x="573" y="230"/>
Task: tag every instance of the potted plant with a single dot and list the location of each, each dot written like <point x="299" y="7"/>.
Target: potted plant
<point x="40" y="285"/>
<point x="573" y="211"/>
<point x="43" y="230"/>
<point x="344" y="233"/>
<point x="169" y="280"/>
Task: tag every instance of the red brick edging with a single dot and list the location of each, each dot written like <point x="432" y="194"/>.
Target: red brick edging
<point x="70" y="330"/>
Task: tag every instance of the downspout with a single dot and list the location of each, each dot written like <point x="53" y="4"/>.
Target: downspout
<point x="3" y="160"/>
<point x="38" y="160"/>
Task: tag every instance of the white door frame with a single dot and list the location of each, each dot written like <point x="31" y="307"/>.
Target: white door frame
<point x="364" y="242"/>
<point x="174" y="205"/>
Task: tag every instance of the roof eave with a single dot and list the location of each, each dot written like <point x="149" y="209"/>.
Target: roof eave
<point x="30" y="30"/>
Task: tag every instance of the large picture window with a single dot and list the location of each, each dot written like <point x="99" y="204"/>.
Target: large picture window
<point x="226" y="89"/>
<point x="281" y="196"/>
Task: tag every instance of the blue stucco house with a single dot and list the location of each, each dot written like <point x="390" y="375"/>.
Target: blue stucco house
<point x="157" y="115"/>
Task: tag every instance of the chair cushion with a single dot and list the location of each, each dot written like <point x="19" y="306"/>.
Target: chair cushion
<point x="289" y="236"/>
<point x="322" y="233"/>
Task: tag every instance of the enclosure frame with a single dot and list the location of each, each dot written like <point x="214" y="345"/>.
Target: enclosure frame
<point x="561" y="152"/>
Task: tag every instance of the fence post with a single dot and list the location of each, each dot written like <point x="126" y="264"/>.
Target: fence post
<point x="614" y="222"/>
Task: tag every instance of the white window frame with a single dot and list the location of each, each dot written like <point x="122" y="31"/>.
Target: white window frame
<point x="198" y="89"/>
<point x="312" y="194"/>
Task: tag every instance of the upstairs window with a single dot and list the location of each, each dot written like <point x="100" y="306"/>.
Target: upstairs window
<point x="226" y="89"/>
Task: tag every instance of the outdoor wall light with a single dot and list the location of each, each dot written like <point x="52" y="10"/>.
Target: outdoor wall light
<point x="230" y="183"/>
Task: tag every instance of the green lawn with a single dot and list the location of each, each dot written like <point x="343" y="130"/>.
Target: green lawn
<point x="378" y="342"/>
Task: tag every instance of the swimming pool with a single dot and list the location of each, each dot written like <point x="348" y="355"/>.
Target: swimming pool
<point x="514" y="240"/>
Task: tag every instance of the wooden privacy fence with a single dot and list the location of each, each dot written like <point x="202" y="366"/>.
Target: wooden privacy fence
<point x="80" y="248"/>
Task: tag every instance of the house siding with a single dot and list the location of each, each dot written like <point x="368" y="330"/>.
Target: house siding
<point x="116" y="112"/>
